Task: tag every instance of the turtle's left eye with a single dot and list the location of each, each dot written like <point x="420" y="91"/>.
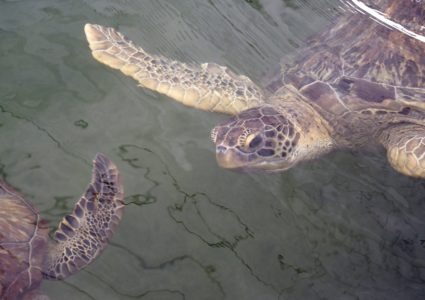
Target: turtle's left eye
<point x="253" y="141"/>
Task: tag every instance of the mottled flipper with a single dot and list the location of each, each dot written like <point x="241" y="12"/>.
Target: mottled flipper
<point x="406" y="149"/>
<point x="208" y="86"/>
<point x="83" y="235"/>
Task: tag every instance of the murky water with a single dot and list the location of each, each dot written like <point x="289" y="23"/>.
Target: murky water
<point x="344" y="227"/>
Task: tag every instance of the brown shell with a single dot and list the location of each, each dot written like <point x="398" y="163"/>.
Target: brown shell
<point x="23" y="238"/>
<point x="360" y="63"/>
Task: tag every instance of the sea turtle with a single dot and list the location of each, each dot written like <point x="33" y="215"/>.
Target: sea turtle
<point x="26" y="253"/>
<point x="357" y="83"/>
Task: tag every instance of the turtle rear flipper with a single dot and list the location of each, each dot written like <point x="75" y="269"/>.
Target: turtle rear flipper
<point x="208" y="86"/>
<point x="82" y="235"/>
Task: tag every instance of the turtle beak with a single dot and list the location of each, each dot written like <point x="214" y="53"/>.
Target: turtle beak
<point x="227" y="158"/>
<point x="231" y="159"/>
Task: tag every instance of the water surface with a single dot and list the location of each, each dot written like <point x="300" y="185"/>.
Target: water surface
<point x="344" y="227"/>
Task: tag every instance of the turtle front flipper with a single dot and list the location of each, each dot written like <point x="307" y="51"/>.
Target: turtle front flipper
<point x="405" y="146"/>
<point x="208" y="86"/>
<point x="82" y="235"/>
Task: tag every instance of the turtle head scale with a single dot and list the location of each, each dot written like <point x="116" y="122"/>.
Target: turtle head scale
<point x="263" y="138"/>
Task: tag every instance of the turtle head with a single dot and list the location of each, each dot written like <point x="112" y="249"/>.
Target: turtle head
<point x="258" y="138"/>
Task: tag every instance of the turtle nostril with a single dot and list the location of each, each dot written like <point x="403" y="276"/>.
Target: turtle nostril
<point x="220" y="149"/>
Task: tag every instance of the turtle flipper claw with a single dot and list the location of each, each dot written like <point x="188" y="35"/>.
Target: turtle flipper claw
<point x="82" y="235"/>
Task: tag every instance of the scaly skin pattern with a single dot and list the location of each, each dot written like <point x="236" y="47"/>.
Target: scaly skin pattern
<point x="406" y="149"/>
<point x="239" y="135"/>
<point x="26" y="255"/>
<point x="207" y="87"/>
<point x="266" y="139"/>
<point x="84" y="234"/>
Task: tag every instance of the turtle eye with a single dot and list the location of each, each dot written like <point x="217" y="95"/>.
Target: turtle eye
<point x="253" y="141"/>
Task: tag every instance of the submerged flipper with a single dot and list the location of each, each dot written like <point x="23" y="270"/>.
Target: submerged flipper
<point x="207" y="87"/>
<point x="405" y="146"/>
<point x="83" y="235"/>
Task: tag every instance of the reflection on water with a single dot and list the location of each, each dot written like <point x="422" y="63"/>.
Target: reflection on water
<point x="407" y="25"/>
<point x="344" y="227"/>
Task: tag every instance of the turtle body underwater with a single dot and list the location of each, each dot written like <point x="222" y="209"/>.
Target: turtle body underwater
<point x="357" y="83"/>
<point x="27" y="255"/>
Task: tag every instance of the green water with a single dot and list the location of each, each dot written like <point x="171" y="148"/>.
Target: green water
<point x="344" y="227"/>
